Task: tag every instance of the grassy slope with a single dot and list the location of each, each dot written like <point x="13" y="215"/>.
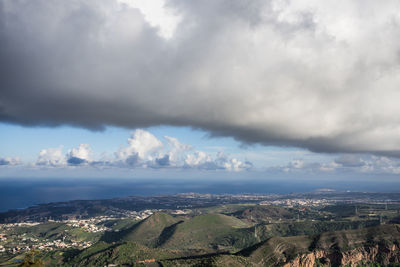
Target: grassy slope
<point x="207" y="232"/>
<point x="265" y="213"/>
<point x="120" y="224"/>
<point x="218" y="260"/>
<point x="146" y="232"/>
<point x="44" y="230"/>
<point x="127" y="253"/>
<point x="55" y="230"/>
<point x="215" y="231"/>
<point x="309" y="227"/>
<point x="225" y="209"/>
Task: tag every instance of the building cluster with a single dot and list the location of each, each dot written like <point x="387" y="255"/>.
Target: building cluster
<point x="19" y="224"/>
<point x="11" y="242"/>
<point x="296" y="202"/>
<point x="181" y="212"/>
<point x="247" y="197"/>
<point x="3" y="237"/>
<point x="89" y="225"/>
<point x="92" y="225"/>
<point x="20" y="244"/>
<point x="140" y="215"/>
<point x="59" y="244"/>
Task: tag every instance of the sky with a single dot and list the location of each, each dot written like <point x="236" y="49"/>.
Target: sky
<point x="208" y="88"/>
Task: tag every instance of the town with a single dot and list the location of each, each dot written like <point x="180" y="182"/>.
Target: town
<point x="14" y="241"/>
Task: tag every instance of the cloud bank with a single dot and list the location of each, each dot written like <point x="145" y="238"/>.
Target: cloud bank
<point x="144" y="150"/>
<point x="322" y="75"/>
<point x="344" y="164"/>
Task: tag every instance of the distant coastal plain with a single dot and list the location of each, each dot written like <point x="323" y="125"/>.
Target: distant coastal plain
<point x="18" y="193"/>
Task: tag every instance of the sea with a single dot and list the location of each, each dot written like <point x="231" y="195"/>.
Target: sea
<point x="19" y="193"/>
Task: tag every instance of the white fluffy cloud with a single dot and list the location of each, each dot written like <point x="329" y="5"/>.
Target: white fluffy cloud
<point x="51" y="157"/>
<point x="204" y="161"/>
<point x="142" y="146"/>
<point x="79" y="155"/>
<point x="177" y="150"/>
<point x="55" y="157"/>
<point x="321" y="75"/>
<point x="197" y="158"/>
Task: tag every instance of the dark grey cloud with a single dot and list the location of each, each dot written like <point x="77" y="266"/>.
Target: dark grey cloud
<point x="4" y="162"/>
<point x="7" y="161"/>
<point x="76" y="161"/>
<point x="350" y="161"/>
<point x="320" y="75"/>
<point x="164" y="161"/>
<point x="132" y="160"/>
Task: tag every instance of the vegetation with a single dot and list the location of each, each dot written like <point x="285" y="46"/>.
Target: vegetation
<point x="222" y="235"/>
<point x="32" y="259"/>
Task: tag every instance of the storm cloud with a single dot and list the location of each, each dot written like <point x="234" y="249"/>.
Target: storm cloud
<point x="322" y="75"/>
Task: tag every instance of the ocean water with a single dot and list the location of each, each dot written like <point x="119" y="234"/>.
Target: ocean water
<point x="21" y="193"/>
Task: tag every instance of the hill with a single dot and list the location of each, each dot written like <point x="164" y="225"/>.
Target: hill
<point x="208" y="233"/>
<point x="213" y="231"/>
<point x="146" y="232"/>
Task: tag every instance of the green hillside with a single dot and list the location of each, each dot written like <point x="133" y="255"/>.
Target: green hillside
<point x="210" y="232"/>
<point x="265" y="213"/>
<point x="266" y="231"/>
<point x="214" y="231"/>
<point x="120" y="224"/>
<point x="123" y="254"/>
<point x="221" y="260"/>
<point x="146" y="232"/>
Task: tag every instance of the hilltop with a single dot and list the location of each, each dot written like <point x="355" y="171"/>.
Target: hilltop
<point x="211" y="231"/>
<point x="146" y="232"/>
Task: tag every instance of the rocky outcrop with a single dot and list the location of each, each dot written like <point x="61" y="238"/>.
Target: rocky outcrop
<point x="383" y="254"/>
